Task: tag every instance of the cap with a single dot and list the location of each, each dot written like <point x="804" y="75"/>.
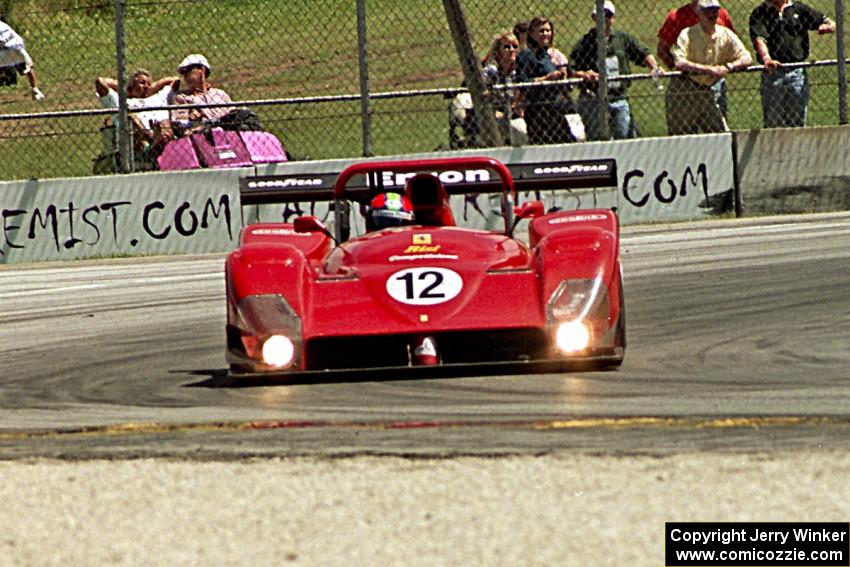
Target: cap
<point x="707" y="5"/>
<point x="609" y="8"/>
<point x="194" y="59"/>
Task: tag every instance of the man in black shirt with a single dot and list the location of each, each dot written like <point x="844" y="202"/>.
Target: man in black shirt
<point x="779" y="30"/>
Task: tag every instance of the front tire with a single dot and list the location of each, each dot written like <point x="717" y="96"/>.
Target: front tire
<point x="620" y="332"/>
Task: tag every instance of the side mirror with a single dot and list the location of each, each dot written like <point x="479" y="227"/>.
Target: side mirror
<point x="529" y="209"/>
<point x="312" y="224"/>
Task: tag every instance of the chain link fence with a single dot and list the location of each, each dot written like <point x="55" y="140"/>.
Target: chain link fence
<point x="303" y="67"/>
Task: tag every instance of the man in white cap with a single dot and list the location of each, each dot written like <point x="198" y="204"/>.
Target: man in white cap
<point x="706" y="53"/>
<point x="193" y="88"/>
<point x="622" y="50"/>
<point x="14" y="54"/>
<point x="679" y="19"/>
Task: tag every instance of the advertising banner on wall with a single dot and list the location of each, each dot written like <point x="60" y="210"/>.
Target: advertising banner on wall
<point x="129" y="215"/>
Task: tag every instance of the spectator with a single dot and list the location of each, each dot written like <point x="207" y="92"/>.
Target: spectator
<point x="502" y="71"/>
<point x="521" y="33"/>
<point x="13" y="53"/>
<point x="779" y="32"/>
<point x="193" y="88"/>
<point x="679" y="19"/>
<point x="545" y="107"/>
<point x="622" y="49"/>
<point x="141" y="93"/>
<point x="706" y="53"/>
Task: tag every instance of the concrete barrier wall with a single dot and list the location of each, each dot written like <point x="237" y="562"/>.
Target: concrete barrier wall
<point x="794" y="170"/>
<point x="660" y="179"/>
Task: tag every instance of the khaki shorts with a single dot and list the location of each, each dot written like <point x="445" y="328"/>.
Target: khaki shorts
<point x="10" y="57"/>
<point x="691" y="108"/>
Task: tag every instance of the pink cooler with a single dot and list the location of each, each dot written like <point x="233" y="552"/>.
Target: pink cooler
<point x="221" y="148"/>
<point x="226" y="149"/>
<point x="263" y="147"/>
<point x="178" y="154"/>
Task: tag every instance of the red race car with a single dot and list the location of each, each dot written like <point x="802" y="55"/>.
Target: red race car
<point x="411" y="287"/>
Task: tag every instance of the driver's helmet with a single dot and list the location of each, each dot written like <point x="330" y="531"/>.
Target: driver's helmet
<point x="389" y="209"/>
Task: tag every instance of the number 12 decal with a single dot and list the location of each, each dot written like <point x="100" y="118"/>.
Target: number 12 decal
<point x="424" y="286"/>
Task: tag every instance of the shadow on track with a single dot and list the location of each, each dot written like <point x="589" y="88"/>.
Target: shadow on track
<point x="221" y="378"/>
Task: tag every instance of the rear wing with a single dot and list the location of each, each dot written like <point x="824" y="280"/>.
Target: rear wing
<point x="459" y="176"/>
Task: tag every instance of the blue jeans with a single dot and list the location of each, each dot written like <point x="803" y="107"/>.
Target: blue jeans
<point x="784" y="98"/>
<point x="719" y="89"/>
<point x="621" y="126"/>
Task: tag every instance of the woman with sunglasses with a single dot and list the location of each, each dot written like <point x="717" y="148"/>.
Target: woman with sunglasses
<point x="501" y="70"/>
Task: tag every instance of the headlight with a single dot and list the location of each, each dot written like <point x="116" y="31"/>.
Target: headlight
<point x="278" y="351"/>
<point x="572" y="337"/>
<point x="271" y="330"/>
<point x="576" y="300"/>
<point x="578" y="314"/>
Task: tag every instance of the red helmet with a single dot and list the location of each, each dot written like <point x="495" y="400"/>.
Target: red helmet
<point x="389" y="209"/>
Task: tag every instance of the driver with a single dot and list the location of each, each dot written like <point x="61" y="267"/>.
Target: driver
<point x="389" y="209"/>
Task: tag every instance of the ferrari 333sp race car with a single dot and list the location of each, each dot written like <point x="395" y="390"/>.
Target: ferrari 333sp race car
<point x="415" y="289"/>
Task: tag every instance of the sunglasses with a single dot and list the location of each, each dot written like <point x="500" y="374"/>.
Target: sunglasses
<point x="185" y="70"/>
<point x="510" y="46"/>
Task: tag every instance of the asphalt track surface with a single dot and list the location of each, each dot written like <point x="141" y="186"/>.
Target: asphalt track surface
<point x="121" y="443"/>
<point x="738" y="336"/>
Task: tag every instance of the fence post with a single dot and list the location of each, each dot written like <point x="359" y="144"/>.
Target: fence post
<point x="123" y="126"/>
<point x="363" y="60"/>
<point x="471" y="66"/>
<point x="602" y="64"/>
<point x="842" y="63"/>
